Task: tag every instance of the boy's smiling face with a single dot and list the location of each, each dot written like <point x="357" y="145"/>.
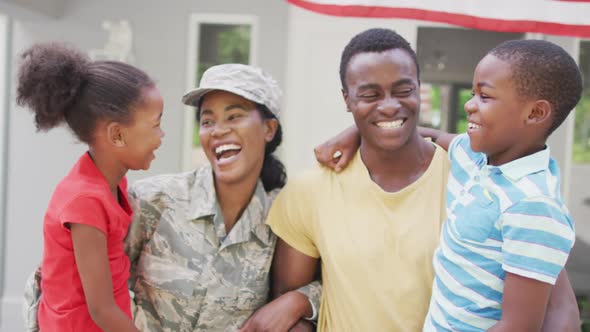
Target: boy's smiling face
<point x="498" y="116"/>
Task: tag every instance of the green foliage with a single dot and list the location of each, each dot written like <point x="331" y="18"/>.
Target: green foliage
<point x="464" y="96"/>
<point x="581" y="148"/>
<point x="435" y="97"/>
<point x="232" y="44"/>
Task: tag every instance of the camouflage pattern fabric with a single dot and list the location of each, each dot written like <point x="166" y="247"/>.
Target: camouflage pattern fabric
<point x="187" y="273"/>
<point x="31" y="303"/>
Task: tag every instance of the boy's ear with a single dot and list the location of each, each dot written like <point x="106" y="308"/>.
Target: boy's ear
<point x="540" y="112"/>
<point x="115" y="134"/>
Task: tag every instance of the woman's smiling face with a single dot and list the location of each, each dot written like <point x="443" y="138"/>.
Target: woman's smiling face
<point x="233" y="135"/>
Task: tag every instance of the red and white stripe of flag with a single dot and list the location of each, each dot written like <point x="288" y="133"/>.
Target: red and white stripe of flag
<point x="564" y="17"/>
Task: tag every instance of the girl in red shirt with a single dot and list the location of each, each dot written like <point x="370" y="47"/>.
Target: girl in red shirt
<point x="115" y="109"/>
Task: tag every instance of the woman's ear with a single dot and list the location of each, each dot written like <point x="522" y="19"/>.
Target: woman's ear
<point x="115" y="134"/>
<point x="270" y="127"/>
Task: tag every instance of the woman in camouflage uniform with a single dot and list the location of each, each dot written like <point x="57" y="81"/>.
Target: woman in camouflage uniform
<point x="200" y="251"/>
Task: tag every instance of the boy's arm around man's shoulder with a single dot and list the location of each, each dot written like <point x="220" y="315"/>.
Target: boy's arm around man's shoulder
<point x="443" y="139"/>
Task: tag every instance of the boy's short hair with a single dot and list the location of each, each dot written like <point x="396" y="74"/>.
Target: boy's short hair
<point x="543" y="70"/>
<point x="374" y="41"/>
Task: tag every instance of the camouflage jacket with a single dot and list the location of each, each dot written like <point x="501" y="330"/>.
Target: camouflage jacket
<point x="187" y="274"/>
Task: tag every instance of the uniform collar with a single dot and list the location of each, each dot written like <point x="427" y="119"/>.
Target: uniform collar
<point x="250" y="223"/>
<point x="202" y="199"/>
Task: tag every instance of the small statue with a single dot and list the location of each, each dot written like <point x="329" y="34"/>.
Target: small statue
<point x="119" y="43"/>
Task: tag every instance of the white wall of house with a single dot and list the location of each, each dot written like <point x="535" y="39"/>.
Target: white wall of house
<point x="36" y="162"/>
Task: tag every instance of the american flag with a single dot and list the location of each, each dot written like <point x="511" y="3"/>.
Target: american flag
<point x="557" y="17"/>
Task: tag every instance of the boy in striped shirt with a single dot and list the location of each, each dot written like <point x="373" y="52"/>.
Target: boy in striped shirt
<point x="508" y="233"/>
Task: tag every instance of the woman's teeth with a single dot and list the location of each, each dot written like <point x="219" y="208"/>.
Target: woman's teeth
<point x="221" y="151"/>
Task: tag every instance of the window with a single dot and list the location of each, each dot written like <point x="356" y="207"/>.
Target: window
<point x="430" y="105"/>
<point x="581" y="147"/>
<point x="213" y="40"/>
<point x="442" y="106"/>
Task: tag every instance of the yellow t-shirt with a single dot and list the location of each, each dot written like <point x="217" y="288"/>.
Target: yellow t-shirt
<point x="376" y="247"/>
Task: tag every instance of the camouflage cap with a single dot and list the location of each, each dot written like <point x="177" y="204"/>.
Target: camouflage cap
<point x="246" y="81"/>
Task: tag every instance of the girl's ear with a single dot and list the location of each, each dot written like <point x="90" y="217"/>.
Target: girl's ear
<point x="270" y="127"/>
<point x="115" y="134"/>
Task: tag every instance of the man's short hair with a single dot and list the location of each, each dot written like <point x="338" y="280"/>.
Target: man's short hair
<point x="374" y="41"/>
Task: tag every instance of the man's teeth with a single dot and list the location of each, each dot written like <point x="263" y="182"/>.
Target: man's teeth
<point x="226" y="147"/>
<point x="473" y="126"/>
<point x="390" y="124"/>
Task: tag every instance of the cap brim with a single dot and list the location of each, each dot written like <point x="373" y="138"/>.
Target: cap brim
<point x="192" y="98"/>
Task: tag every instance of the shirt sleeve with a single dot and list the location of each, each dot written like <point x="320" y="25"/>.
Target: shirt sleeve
<point x="537" y="238"/>
<point x="88" y="211"/>
<point x="291" y="218"/>
<point x="313" y="291"/>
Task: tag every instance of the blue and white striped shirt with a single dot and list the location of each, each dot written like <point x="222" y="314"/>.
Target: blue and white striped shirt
<point x="508" y="218"/>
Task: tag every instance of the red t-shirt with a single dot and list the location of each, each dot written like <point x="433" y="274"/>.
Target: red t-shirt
<point x="82" y="197"/>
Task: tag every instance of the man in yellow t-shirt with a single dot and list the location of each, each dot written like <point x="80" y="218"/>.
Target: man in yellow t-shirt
<point x="369" y="223"/>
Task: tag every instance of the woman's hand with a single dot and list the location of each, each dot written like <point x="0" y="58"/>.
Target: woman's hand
<point x="338" y="151"/>
<point x="280" y="315"/>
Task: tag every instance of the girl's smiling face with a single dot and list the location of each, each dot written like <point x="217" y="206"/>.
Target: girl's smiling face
<point x="143" y="136"/>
